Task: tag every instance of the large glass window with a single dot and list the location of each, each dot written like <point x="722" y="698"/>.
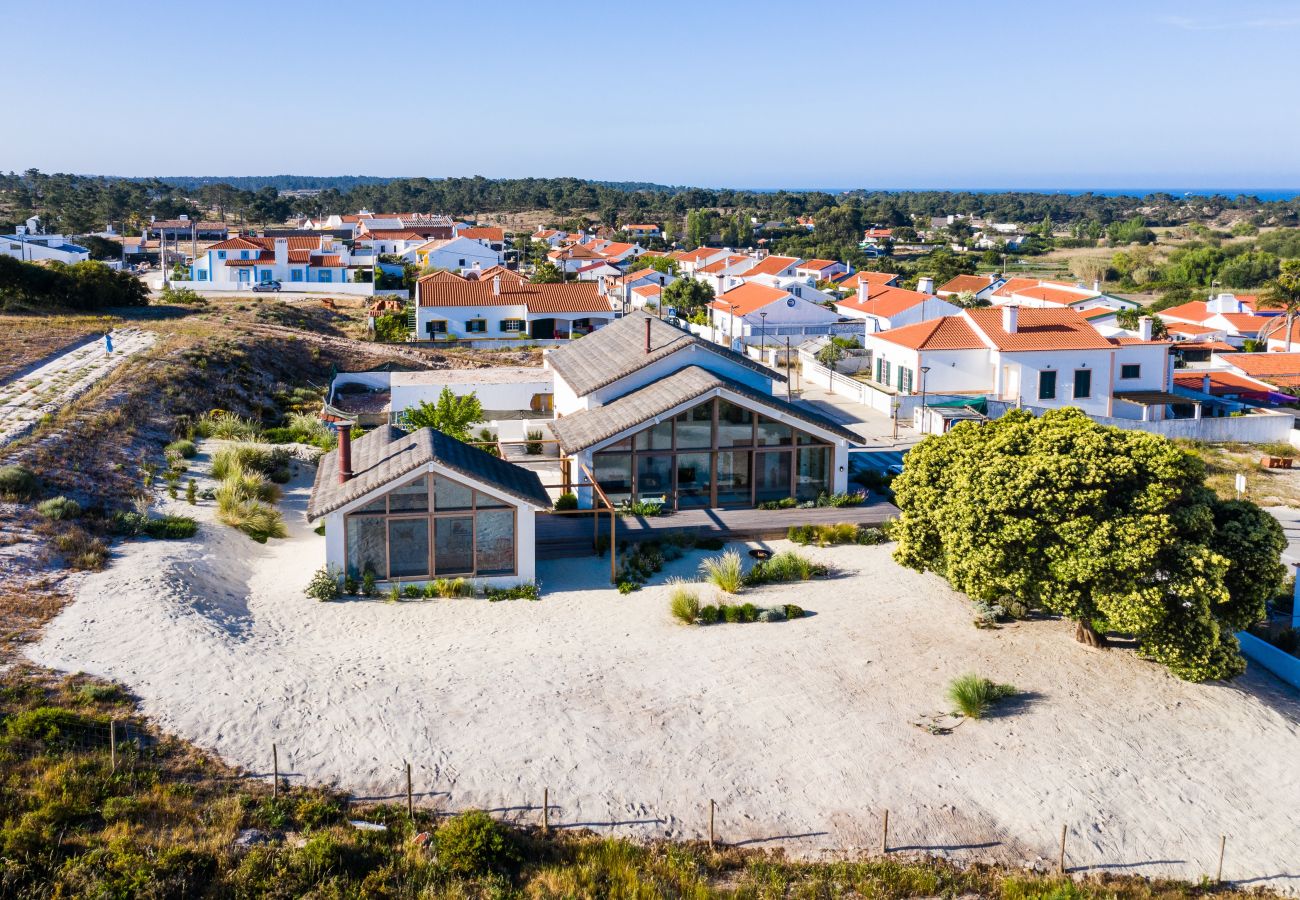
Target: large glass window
<point x="613" y="473"/>
<point x="693" y="479"/>
<point x="367" y="546"/>
<point x="494" y="542"/>
<point x="656" y="437"/>
<point x="733" y="477"/>
<point x="654" y="475"/>
<point x="771" y="476"/>
<point x="453" y="549"/>
<point x="772" y="432"/>
<point x="813" y="474"/>
<point x="695" y="427"/>
<point x="735" y="425"/>
<point x="471" y="532"/>
<point x="408" y="547"/>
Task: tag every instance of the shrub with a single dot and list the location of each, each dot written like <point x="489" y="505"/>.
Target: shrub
<point x="135" y="524"/>
<point x="368" y="583"/>
<point x="50" y="725"/>
<point x="731" y="614"/>
<point x="783" y="503"/>
<point x="974" y="695"/>
<point x="567" y="500"/>
<point x="411" y="591"/>
<point x="710" y="543"/>
<point x="16" y="483"/>
<point x="785" y="566"/>
<point x="324" y="585"/>
<point x="724" y="572"/>
<point x="793" y="611"/>
<point x="841" y="500"/>
<point x="255" y="519"/>
<point x="100" y="693"/>
<point x="627" y="587"/>
<point x="81" y="549"/>
<point x="449" y="587"/>
<point x="473" y="843"/>
<point x="684" y="603"/>
<point x="225" y="425"/>
<point x="708" y="614"/>
<point x="533" y="446"/>
<point x="247" y="459"/>
<point x="528" y="590"/>
<point x="645" y="508"/>
<point x="192" y="492"/>
<point x="59" y="508"/>
<point x="775" y="614"/>
<point x="182" y="449"/>
<point x="748" y="612"/>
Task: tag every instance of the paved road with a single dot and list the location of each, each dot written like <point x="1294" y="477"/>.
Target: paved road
<point x="44" y="391"/>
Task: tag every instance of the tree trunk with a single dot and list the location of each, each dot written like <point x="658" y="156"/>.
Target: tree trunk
<point x="1084" y="633"/>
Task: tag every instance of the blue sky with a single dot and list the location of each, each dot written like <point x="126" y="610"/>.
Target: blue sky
<point x="1144" y="93"/>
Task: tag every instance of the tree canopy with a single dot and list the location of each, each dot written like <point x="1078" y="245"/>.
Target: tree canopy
<point x="452" y="415"/>
<point x="55" y="285"/>
<point x="687" y="295"/>
<point x="1114" y="529"/>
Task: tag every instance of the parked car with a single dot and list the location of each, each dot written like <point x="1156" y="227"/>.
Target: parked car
<point x="266" y="286"/>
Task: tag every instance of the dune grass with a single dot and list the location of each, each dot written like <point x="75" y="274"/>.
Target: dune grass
<point x="973" y="695"/>
<point x="725" y="572"/>
<point x="684" y="603"/>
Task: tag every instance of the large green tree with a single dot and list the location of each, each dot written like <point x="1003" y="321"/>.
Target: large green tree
<point x="1284" y="293"/>
<point x="1113" y="529"/>
<point x="687" y="295"/>
<point x="451" y="414"/>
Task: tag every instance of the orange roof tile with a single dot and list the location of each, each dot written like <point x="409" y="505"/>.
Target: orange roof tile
<point x="1266" y="365"/>
<point x="944" y="333"/>
<point x="1189" y="329"/>
<point x="1195" y="311"/>
<point x="816" y="265"/>
<point x="772" y="265"/>
<point x="1220" y="382"/>
<point x="1246" y="323"/>
<point x="749" y="297"/>
<point x="886" y="301"/>
<point x="573" y="296"/>
<point x="972" y="283"/>
<point x="1039" y="329"/>
<point x="876" y="278"/>
<point x="485" y="233"/>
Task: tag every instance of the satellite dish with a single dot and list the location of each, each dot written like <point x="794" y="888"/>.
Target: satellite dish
<point x="789" y="301"/>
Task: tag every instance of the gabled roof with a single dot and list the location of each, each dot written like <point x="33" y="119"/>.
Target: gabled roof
<point x="944" y="333"/>
<point x="1039" y="329"/>
<point x="1194" y="311"/>
<point x="816" y="265"/>
<point x="749" y="297"/>
<point x="1189" y="329"/>
<point x="574" y="296"/>
<point x="1221" y="382"/>
<point x="616" y="248"/>
<point x="967" y="283"/>
<point x="1246" y="323"/>
<point x="484" y="233"/>
<point x="584" y="428"/>
<point x="772" y="265"/>
<point x="391" y="234"/>
<point x="720" y="265"/>
<point x="384" y="455"/>
<point x="1060" y="296"/>
<point x="1265" y="365"/>
<point x="577" y="251"/>
<point x="617" y="350"/>
<point x="887" y="301"/>
<point x="874" y="278"/>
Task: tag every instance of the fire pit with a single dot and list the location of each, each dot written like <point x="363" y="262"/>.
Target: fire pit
<point x="760" y="554"/>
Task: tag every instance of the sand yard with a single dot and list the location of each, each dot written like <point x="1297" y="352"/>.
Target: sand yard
<point x="802" y="731"/>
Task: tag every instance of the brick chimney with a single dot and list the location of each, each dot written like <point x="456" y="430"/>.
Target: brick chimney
<point x="345" y="452"/>
<point x="647" y="335"/>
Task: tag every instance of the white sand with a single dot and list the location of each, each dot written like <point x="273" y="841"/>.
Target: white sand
<point x="801" y="731"/>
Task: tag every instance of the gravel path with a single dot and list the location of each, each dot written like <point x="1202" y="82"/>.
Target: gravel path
<point x="26" y="400"/>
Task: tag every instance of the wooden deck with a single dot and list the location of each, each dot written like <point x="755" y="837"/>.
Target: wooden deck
<point x="569" y="535"/>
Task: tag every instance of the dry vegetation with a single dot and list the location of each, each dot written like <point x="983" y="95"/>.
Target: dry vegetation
<point x="1267" y="487"/>
<point x="25" y="342"/>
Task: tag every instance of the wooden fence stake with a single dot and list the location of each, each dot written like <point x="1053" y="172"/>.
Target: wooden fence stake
<point x="546" y="810"/>
<point x="112" y="743"/>
<point x="1060" y="863"/>
<point x="712" y="805"/>
<point x="884" y="834"/>
<point x="1218" y="875"/>
<point x="275" y="770"/>
<point x="410" y="798"/>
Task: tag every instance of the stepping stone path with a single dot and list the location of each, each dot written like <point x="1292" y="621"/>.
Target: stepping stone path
<point x="26" y="400"/>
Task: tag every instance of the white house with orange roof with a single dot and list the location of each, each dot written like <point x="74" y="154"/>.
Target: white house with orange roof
<point x="820" y="269"/>
<point x="882" y="307"/>
<point x="301" y="263"/>
<point x="492" y="237"/>
<point x="1236" y="316"/>
<point x="571" y="259"/>
<point x="981" y="287"/>
<point x="642" y="231"/>
<point x="690" y="260"/>
<point x="757" y="313"/>
<point x="458" y="254"/>
<point x="773" y="270"/>
<point x="549" y="236"/>
<point x="1037" y="357"/>
<point x="853" y="281"/>
<point x="723" y="273"/>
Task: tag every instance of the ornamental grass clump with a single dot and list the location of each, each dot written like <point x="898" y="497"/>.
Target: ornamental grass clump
<point x="724" y="572"/>
<point x="684" y="603"/>
<point x="59" y="508"/>
<point x="226" y="425"/>
<point x="974" y="695"/>
<point x="785" y="566"/>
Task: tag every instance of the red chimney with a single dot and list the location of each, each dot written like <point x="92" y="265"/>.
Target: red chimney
<point x="345" y="451"/>
<point x="647" y="335"/>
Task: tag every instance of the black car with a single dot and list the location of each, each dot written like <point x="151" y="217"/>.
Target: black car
<point x="266" y="286"/>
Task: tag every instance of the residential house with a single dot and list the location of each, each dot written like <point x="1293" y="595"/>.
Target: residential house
<point x="183" y="228"/>
<point x="385" y="242"/>
<point x="1279" y="370"/>
<point x="756" y="313"/>
<point x="690" y="260"/>
<point x="459" y="254"/>
<point x="301" y="263"/>
<point x="595" y="271"/>
<point x="32" y="247"/>
<point x="618" y="252"/>
<point x="981" y="287"/>
<point x="820" y="270"/>
<point x="877" y="237"/>
<point x="655" y="412"/>
<point x="772" y="270"/>
<point x="411" y="507"/>
<point x="1235" y="316"/>
<point x="571" y="259"/>
<point x="1038" y="357"/>
<point x="640" y="232"/>
<point x="490" y="236"/>
<point x="883" y="307"/>
<point x="853" y="281"/>
<point x="504" y="307"/>
<point x="723" y="273"/>
<point x="550" y="237"/>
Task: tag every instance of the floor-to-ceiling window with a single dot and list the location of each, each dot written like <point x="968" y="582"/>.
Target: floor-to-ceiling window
<point x="715" y="454"/>
<point x="431" y="527"/>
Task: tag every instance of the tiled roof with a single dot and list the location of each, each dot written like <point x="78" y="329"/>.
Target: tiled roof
<point x="393" y="234"/>
<point x="647" y="290"/>
<point x="816" y="265"/>
<point x="1039" y="329"/>
<point x="887" y="301"/>
<point x="574" y="296"/>
<point x="640" y="227"/>
<point x="945" y="333"/>
<point x="296" y="242"/>
<point x="501" y="270"/>
<point x="1195" y="311"/>
<point x="874" y="278"/>
<point x="1220" y="382"/>
<point x="616" y="248"/>
<point x="1060" y="296"/>
<point x="726" y="262"/>
<point x="484" y="233"/>
<point x="748" y="298"/>
<point x="1264" y="365"/>
<point x="382" y="456"/>
<point x="618" y="350"/>
<point x="577" y="251"/>
<point x="582" y="429"/>
<point x="772" y="265"/>
<point x="1189" y="329"/>
<point x="972" y="283"/>
<point x="1246" y="323"/>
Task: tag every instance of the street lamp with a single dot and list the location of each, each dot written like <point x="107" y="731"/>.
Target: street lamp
<point x="731" y="325"/>
<point x="762" y="328"/>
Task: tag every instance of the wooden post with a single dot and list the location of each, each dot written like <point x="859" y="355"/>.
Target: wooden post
<point x="1060" y="863"/>
<point x="275" y="770"/>
<point x="546" y="810"/>
<point x="613" y="549"/>
<point x="884" y="834"/>
<point x="1218" y="875"/>
<point x="712" y="805"/>
<point x="112" y="743"/>
<point x="410" y="798"/>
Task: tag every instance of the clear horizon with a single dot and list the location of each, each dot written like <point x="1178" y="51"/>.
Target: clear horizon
<point x="1111" y="97"/>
